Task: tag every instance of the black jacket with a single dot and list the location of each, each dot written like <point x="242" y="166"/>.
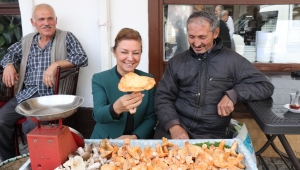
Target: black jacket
<point x="224" y="34"/>
<point x="191" y="88"/>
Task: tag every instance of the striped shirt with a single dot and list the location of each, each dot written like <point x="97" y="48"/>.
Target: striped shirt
<point x="39" y="60"/>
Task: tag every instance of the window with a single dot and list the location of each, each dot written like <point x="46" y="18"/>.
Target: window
<point x="256" y="34"/>
<point x="10" y="24"/>
<point x="268" y="35"/>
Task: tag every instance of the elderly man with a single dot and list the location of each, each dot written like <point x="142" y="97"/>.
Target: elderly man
<point x="200" y="86"/>
<point x="224" y="15"/>
<point x="39" y="54"/>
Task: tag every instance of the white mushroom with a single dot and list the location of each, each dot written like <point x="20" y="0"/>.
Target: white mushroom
<point x="88" y="148"/>
<point x="94" y="166"/>
<point x="90" y="161"/>
<point x="75" y="163"/>
<point x="102" y="160"/>
<point x="73" y="154"/>
<point x="95" y="152"/>
<point x="80" y="150"/>
<point x="86" y="155"/>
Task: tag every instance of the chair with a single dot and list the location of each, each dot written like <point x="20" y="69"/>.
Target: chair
<point x="5" y="93"/>
<point x="65" y="83"/>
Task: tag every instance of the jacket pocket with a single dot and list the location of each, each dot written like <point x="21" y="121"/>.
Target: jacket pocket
<point x="220" y="83"/>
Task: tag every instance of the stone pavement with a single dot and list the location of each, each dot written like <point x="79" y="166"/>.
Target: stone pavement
<point x="274" y="164"/>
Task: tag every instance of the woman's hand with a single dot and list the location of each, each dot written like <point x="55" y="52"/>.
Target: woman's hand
<point x="128" y="102"/>
<point x="127" y="136"/>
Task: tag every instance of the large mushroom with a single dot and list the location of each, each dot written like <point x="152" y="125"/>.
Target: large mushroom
<point x="75" y="163"/>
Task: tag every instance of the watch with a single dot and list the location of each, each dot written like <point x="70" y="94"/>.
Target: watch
<point x="8" y="64"/>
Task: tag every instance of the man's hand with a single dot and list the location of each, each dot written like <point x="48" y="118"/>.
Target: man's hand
<point x="177" y="132"/>
<point x="10" y="75"/>
<point x="225" y="106"/>
<point x="50" y="72"/>
<point x="127" y="102"/>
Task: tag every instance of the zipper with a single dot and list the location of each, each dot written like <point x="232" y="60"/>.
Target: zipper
<point x="221" y="79"/>
<point x="198" y="94"/>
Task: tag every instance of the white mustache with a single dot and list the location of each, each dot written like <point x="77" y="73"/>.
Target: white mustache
<point x="46" y="26"/>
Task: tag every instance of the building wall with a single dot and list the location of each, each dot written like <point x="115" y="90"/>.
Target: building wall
<point x="95" y="23"/>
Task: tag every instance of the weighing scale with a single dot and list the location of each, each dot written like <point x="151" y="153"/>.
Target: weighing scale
<point x="50" y="145"/>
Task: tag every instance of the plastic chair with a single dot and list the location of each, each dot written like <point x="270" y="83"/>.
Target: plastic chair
<point x="65" y="83"/>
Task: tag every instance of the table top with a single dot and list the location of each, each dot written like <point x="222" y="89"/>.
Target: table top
<point x="270" y="114"/>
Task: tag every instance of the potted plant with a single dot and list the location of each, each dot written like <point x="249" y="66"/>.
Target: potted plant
<point x="10" y="32"/>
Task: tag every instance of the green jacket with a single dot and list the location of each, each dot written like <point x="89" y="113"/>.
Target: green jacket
<point x="105" y="92"/>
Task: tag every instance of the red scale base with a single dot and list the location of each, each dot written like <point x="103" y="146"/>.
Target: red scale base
<point x="49" y="146"/>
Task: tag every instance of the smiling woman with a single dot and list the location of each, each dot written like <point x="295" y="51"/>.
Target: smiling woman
<point x="114" y="108"/>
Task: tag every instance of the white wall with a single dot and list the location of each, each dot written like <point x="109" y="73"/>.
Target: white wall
<point x="86" y="20"/>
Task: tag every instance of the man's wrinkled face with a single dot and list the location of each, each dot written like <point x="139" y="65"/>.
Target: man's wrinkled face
<point x="200" y="37"/>
<point x="45" y="21"/>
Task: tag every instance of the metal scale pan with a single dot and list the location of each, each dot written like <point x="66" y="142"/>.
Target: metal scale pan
<point x="48" y="108"/>
<point x="50" y="145"/>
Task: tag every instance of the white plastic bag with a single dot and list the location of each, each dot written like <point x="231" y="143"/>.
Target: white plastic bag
<point x="243" y="134"/>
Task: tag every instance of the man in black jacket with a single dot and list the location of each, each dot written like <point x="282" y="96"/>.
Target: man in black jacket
<point x="200" y="86"/>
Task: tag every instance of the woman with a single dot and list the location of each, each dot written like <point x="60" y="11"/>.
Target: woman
<point x="111" y="106"/>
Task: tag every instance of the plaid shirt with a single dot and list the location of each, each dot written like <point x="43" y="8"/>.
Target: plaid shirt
<point x="39" y="60"/>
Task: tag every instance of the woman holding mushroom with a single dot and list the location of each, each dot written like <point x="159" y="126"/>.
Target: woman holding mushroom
<point x="112" y="107"/>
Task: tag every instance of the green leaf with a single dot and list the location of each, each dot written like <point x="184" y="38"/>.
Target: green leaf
<point x="237" y="128"/>
<point x="18" y="32"/>
<point x="2" y="40"/>
<point x="8" y="35"/>
<point x="3" y="20"/>
<point x="216" y="144"/>
<point x="11" y="26"/>
<point x="1" y="28"/>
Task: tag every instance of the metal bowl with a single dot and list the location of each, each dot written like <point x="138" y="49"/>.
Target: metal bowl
<point x="47" y="108"/>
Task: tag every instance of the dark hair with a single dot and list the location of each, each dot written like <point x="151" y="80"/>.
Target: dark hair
<point x="204" y="15"/>
<point x="127" y="34"/>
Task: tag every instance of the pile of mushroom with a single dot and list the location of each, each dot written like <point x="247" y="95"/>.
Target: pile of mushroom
<point x="84" y="158"/>
<point x="164" y="156"/>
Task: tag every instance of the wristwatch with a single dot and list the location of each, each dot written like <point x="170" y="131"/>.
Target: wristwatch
<point x="8" y="64"/>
